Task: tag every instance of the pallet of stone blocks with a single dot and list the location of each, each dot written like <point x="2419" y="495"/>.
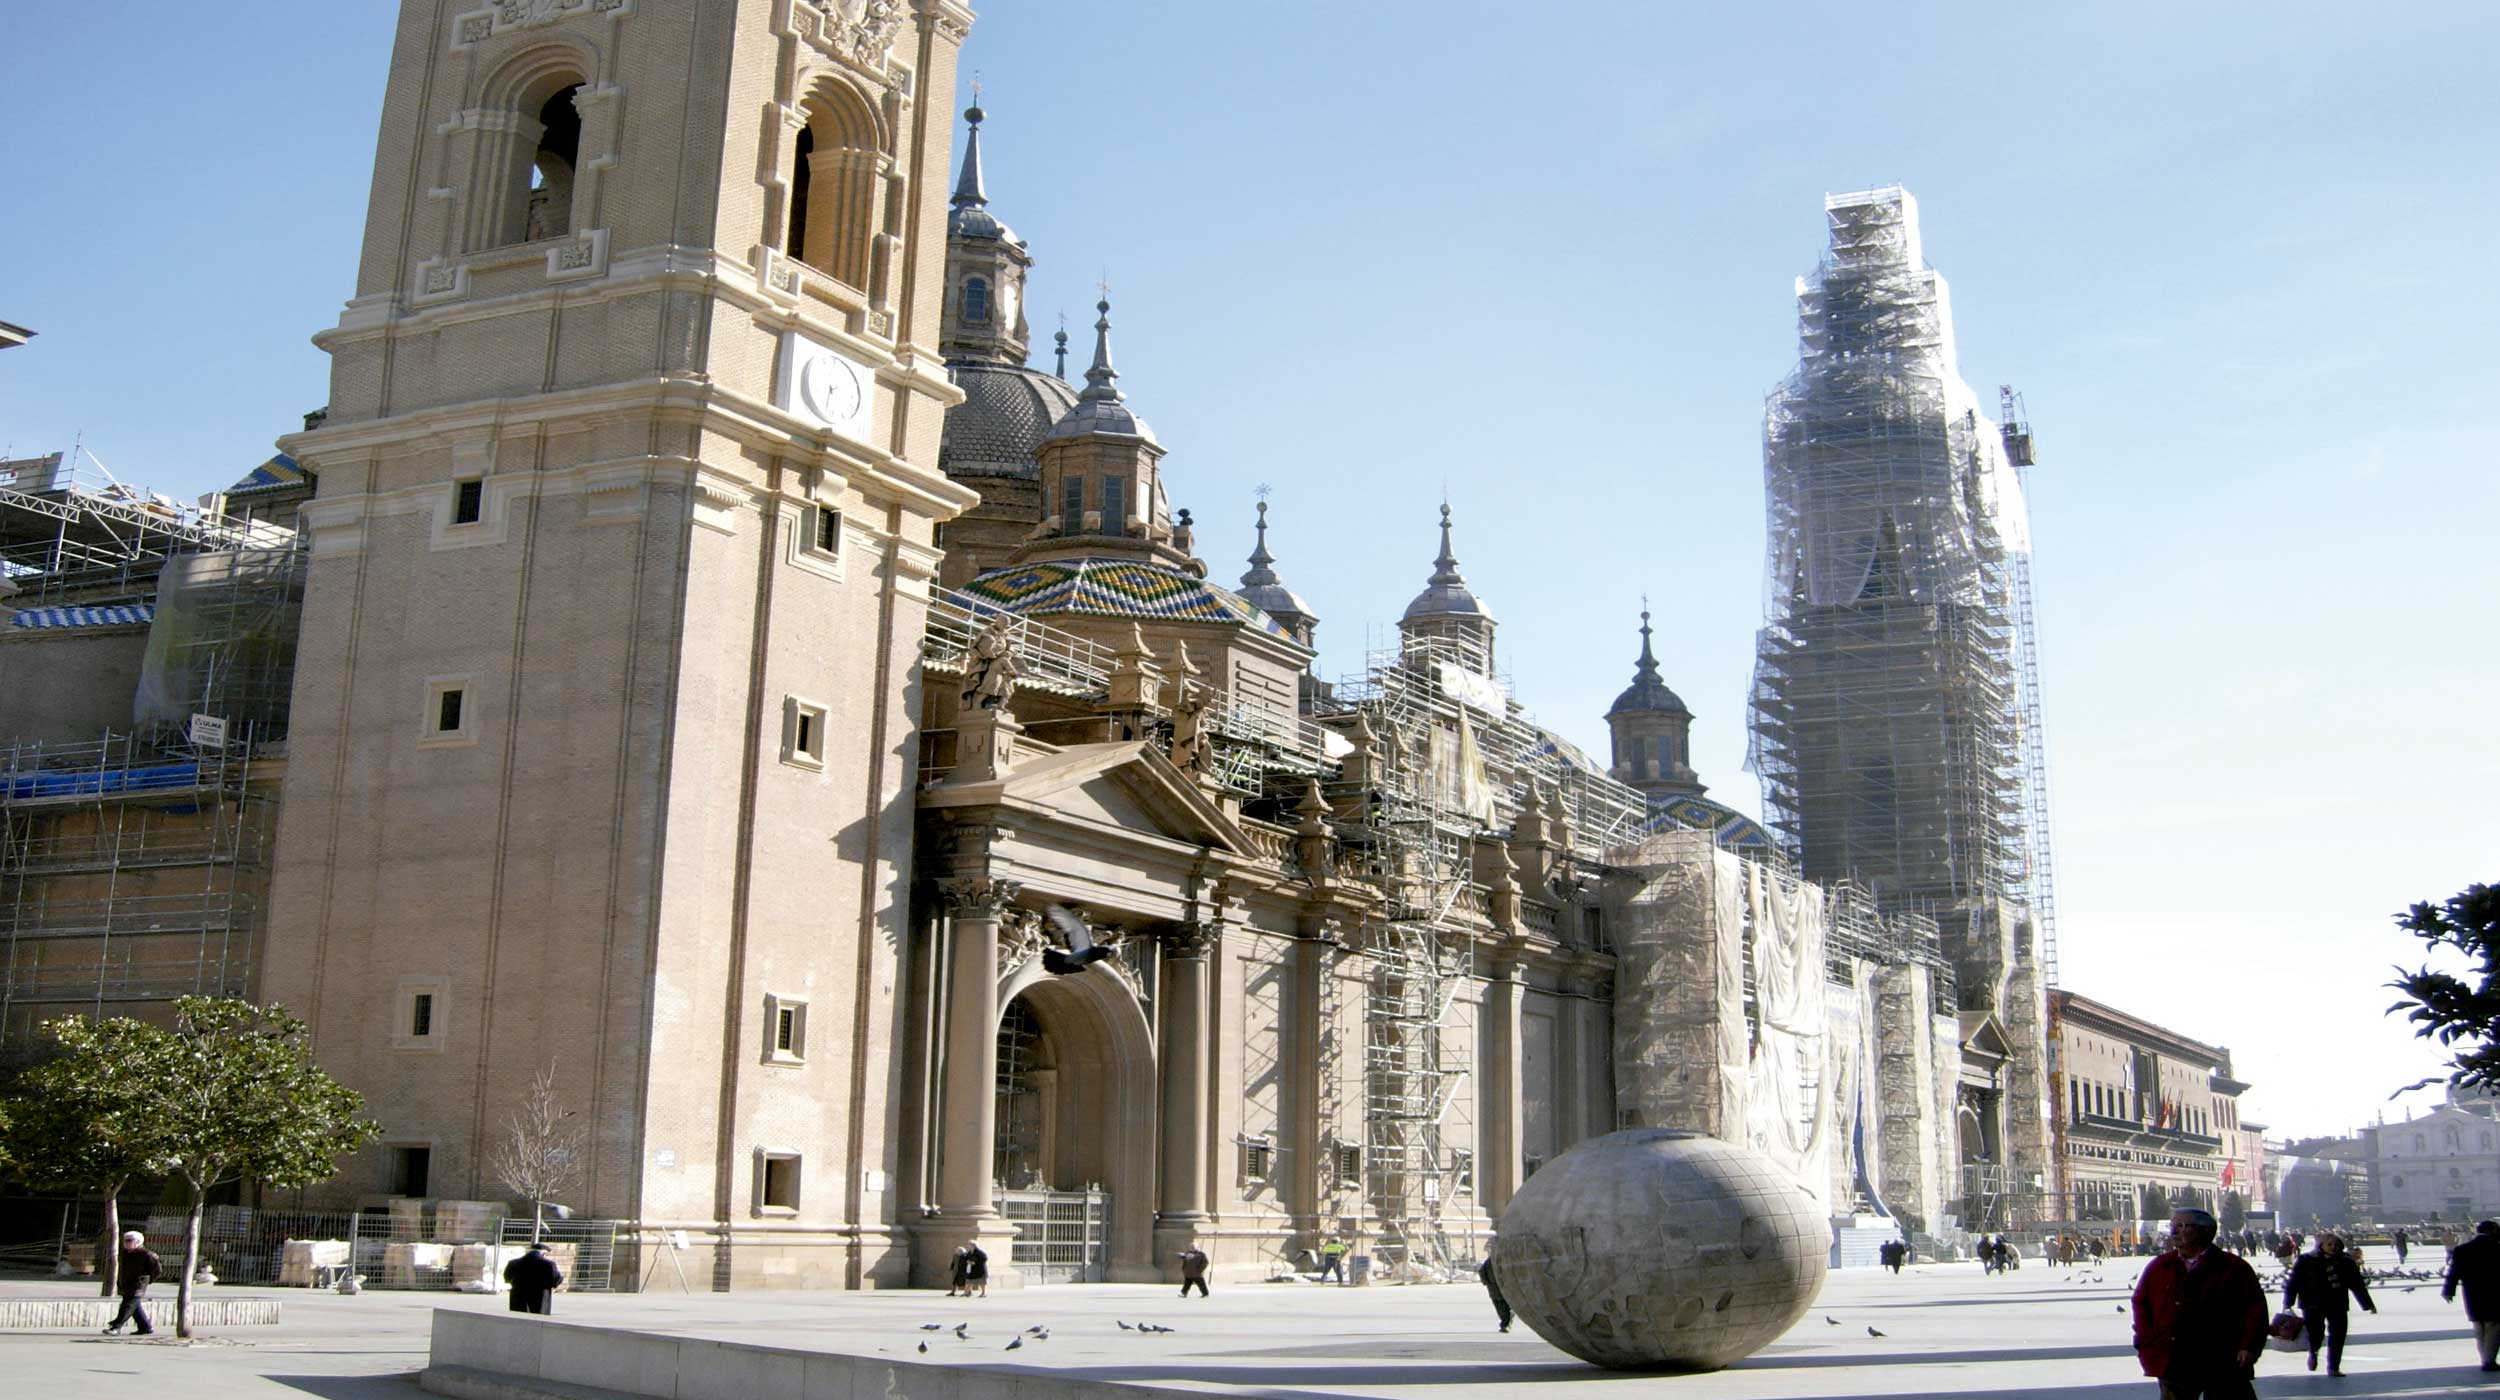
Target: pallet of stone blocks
<point x="467" y="1222"/>
<point x="301" y="1262"/>
<point x="478" y="1268"/>
<point x="416" y="1264"/>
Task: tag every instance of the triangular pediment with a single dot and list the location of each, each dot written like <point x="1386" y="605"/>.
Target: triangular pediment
<point x="1128" y="785"/>
<point x="1984" y="1036"/>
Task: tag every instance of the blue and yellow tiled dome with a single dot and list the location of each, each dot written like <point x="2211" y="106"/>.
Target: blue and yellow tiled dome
<point x="1733" y="830"/>
<point x="1114" y="588"/>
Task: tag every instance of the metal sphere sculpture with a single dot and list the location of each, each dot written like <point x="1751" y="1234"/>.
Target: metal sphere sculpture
<point x="1653" y="1248"/>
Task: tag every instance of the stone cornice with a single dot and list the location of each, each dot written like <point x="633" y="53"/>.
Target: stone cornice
<point x="698" y="402"/>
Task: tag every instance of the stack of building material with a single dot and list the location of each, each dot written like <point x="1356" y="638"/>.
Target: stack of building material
<point x="416" y="1265"/>
<point x="299" y="1261"/>
<point x="467" y="1221"/>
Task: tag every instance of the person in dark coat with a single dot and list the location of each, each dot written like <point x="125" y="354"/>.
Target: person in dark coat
<point x="2200" y="1316"/>
<point x="2475" y="1264"/>
<point x="976" y="1270"/>
<point x="534" y="1278"/>
<point x="959" y="1272"/>
<point x="138" y="1267"/>
<point x="1193" y="1271"/>
<point x="2323" y="1286"/>
<point x="2403" y="1242"/>
<point x="1493" y="1288"/>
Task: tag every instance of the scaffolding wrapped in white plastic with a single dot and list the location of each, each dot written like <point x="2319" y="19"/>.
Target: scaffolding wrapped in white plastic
<point x="1889" y="709"/>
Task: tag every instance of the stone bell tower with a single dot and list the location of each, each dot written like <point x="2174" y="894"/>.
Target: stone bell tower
<point x="605" y="711"/>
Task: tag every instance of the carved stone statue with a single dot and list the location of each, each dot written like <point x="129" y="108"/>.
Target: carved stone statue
<point x="991" y="668"/>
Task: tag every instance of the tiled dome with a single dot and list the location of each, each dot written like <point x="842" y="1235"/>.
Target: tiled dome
<point x="1114" y="588"/>
<point x="1005" y="412"/>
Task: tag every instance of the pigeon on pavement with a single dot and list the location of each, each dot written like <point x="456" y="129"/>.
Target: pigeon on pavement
<point x="924" y="1348"/>
<point x="1014" y="1342"/>
<point x="1873" y="1333"/>
<point x="931" y="1326"/>
<point x="1827" y="1317"/>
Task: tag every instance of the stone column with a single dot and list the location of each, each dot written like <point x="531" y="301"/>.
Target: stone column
<point x="1498" y="1137"/>
<point x="1300" y="1141"/>
<point x="968" y="1137"/>
<point x="1181" y="1198"/>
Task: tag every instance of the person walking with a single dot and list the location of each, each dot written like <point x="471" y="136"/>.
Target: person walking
<point x="2475" y="1265"/>
<point x="1332" y="1259"/>
<point x="1493" y="1288"/>
<point x="1890" y="1255"/>
<point x="976" y="1270"/>
<point x="2200" y="1316"/>
<point x="2323" y="1285"/>
<point x="136" y="1268"/>
<point x="534" y="1278"/>
<point x="2403" y="1243"/>
<point x="1193" y="1271"/>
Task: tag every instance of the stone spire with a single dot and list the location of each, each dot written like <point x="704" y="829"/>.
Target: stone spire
<point x="986" y="266"/>
<point x="1265" y="590"/>
<point x="1448" y="608"/>
<point x="1652" y="730"/>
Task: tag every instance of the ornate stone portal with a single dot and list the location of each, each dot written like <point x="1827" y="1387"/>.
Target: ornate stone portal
<point x="1653" y="1248"/>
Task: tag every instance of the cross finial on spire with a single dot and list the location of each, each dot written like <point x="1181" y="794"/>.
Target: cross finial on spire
<point x="1260" y="559"/>
<point x="1100" y="375"/>
<point x="1062" y="339"/>
<point x="968" y="189"/>
<point x="1445" y="568"/>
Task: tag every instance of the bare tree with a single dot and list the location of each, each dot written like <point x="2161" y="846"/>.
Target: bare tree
<point x="540" y="1157"/>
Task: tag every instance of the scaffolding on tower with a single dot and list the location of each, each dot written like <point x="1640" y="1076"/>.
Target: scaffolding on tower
<point x="1890" y="693"/>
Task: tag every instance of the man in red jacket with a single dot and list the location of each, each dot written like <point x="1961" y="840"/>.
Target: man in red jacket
<point x="2200" y="1316"/>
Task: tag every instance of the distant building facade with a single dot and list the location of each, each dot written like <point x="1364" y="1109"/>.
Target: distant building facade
<point x="2442" y="1165"/>
<point x="2148" y="1119"/>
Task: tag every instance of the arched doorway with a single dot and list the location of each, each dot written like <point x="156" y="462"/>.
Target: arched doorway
<point x="1073" y="1165"/>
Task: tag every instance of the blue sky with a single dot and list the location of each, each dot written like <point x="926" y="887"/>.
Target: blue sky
<point x="2235" y="256"/>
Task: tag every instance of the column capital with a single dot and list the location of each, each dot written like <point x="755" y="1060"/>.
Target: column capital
<point x="1188" y="940"/>
<point x="978" y="895"/>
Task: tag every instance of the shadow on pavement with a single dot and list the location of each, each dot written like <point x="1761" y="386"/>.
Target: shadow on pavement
<point x="393" y="1387"/>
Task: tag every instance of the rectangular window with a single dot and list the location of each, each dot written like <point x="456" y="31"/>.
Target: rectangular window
<point x="803" y="733"/>
<point x="1258" y="1157"/>
<point x="785" y="1031"/>
<point x="1349" y="1165"/>
<point x="1113" y="521"/>
<point x="827" y="533"/>
<point x="777" y="1183"/>
<point x="1072" y="506"/>
<point x="447" y="710"/>
<point x="468" y="501"/>
<point x="410" y="1166"/>
<point x="1463" y="1167"/>
<point x="419" y="1013"/>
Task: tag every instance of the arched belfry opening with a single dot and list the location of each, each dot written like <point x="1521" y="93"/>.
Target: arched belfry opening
<point x="834" y="203"/>
<point x="1073" y="1165"/>
<point x="550" y="202"/>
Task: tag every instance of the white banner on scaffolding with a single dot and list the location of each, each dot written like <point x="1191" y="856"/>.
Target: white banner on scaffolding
<point x="1470" y="689"/>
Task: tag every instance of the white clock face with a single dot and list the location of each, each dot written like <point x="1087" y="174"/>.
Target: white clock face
<point x="831" y="388"/>
<point x="821" y="383"/>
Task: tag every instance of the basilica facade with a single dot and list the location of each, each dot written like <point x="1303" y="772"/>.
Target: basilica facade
<point x="733" y="681"/>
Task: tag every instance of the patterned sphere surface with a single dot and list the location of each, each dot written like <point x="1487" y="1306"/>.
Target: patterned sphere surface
<point x="1653" y="1248"/>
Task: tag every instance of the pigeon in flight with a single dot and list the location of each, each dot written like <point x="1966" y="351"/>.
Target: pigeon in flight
<point x="964" y="1330"/>
<point x="931" y="1326"/>
<point x="1082" y="951"/>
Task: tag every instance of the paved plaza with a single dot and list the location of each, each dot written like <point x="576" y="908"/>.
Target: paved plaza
<point x="1947" y="1331"/>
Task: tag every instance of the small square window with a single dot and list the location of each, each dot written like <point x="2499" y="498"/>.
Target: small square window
<point x="447" y="711"/>
<point x="785" y="1031"/>
<point x="1258" y="1159"/>
<point x="803" y="733"/>
<point x="1349" y="1165"/>
<point x="446" y="718"/>
<point x="468" y="501"/>
<point x="825" y="530"/>
<point x="418" y="1013"/>
<point x="777" y="1183"/>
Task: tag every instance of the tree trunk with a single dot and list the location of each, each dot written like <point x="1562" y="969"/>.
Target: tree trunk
<point x="108" y="1259"/>
<point x="190" y="1262"/>
<point x="538" y="1221"/>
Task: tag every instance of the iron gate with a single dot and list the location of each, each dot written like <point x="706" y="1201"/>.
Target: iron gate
<point x="1061" y="1236"/>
